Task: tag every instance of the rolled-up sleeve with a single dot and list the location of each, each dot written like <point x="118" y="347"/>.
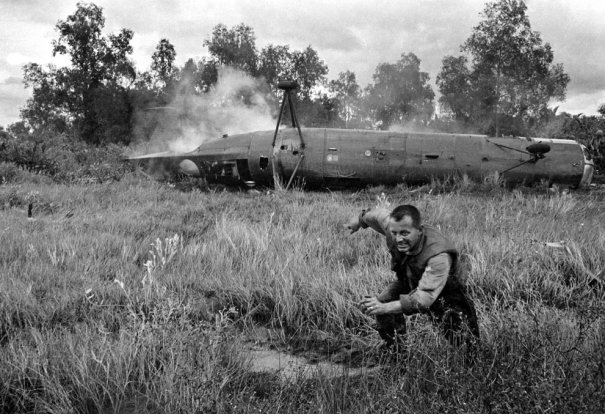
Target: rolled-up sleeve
<point x="376" y="218"/>
<point x="430" y="285"/>
<point x="392" y="292"/>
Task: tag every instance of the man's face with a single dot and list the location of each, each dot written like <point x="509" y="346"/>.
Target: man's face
<point x="405" y="234"/>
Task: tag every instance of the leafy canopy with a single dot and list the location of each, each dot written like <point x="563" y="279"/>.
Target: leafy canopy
<point x="511" y="78"/>
<point x="89" y="96"/>
<point x="400" y="92"/>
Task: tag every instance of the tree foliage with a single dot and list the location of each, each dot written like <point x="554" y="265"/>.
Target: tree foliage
<point x="456" y="87"/>
<point x="279" y="63"/>
<point x="512" y="76"/>
<point x="274" y="64"/>
<point x="81" y="95"/>
<point x="198" y="77"/>
<point x="97" y="58"/>
<point x="234" y="47"/>
<point x="162" y="63"/>
<point x="308" y="70"/>
<point x="400" y="92"/>
<point x="346" y="94"/>
<point x="50" y="105"/>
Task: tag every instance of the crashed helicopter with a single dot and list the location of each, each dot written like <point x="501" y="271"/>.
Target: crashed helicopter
<point x="336" y="158"/>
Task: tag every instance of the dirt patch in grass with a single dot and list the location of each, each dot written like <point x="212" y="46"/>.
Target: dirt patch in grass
<point x="292" y="367"/>
<point x="311" y="362"/>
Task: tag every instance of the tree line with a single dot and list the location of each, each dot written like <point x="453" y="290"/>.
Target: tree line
<point x="501" y="83"/>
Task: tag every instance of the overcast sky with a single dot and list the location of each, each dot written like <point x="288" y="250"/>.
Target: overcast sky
<point x="348" y="35"/>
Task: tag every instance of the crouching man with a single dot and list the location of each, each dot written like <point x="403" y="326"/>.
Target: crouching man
<point x="425" y="263"/>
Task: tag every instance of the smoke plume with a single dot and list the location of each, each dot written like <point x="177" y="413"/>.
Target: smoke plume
<point x="237" y="103"/>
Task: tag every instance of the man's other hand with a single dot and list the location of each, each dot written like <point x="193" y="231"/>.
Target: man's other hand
<point x="372" y="306"/>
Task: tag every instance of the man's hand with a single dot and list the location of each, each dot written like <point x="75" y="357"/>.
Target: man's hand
<point x="354" y="224"/>
<point x="372" y="306"/>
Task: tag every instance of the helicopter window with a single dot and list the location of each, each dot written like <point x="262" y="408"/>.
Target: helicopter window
<point x="263" y="163"/>
<point x="224" y="169"/>
<point x="284" y="148"/>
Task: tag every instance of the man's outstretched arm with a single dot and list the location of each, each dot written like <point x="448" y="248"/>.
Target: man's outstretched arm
<point x="375" y="218"/>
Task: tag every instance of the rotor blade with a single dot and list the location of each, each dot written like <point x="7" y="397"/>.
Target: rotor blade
<point x="157" y="155"/>
<point x="516" y="166"/>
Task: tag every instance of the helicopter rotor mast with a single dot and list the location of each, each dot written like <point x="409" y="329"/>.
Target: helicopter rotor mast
<point x="288" y="86"/>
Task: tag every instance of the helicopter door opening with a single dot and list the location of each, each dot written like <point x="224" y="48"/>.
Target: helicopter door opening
<point x="263" y="163"/>
<point x="244" y="172"/>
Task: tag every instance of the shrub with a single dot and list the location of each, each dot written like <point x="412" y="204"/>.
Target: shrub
<point x="61" y="157"/>
<point x="8" y="172"/>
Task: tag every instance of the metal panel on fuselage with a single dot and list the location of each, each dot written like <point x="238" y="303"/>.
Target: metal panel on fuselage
<point x="563" y="163"/>
<point x="389" y="158"/>
<point x="290" y="154"/>
<point x="233" y="147"/>
<point x="288" y="150"/>
<point x="340" y="157"/>
<point x="499" y="156"/>
<point x="259" y="157"/>
<point x="347" y="156"/>
<point x="467" y="155"/>
<point x="363" y="157"/>
<point x="311" y="168"/>
<point x="440" y="155"/>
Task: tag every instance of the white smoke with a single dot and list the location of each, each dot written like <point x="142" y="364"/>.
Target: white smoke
<point x="411" y="126"/>
<point x="237" y="103"/>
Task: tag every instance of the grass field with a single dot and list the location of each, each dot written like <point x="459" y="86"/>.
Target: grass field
<point x="134" y="296"/>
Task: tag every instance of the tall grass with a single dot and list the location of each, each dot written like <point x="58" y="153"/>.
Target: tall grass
<point x="133" y="296"/>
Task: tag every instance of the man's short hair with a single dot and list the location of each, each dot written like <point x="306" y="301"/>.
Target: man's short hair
<point x="407" y="210"/>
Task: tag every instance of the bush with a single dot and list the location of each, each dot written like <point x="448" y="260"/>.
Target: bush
<point x="11" y="173"/>
<point x="8" y="172"/>
<point x="61" y="157"/>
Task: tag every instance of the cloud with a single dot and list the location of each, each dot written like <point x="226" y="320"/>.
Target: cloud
<point x="586" y="103"/>
<point x="12" y="97"/>
<point x="17" y="59"/>
<point x="574" y="30"/>
<point x="385" y="30"/>
<point x="12" y="80"/>
<point x="35" y="11"/>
